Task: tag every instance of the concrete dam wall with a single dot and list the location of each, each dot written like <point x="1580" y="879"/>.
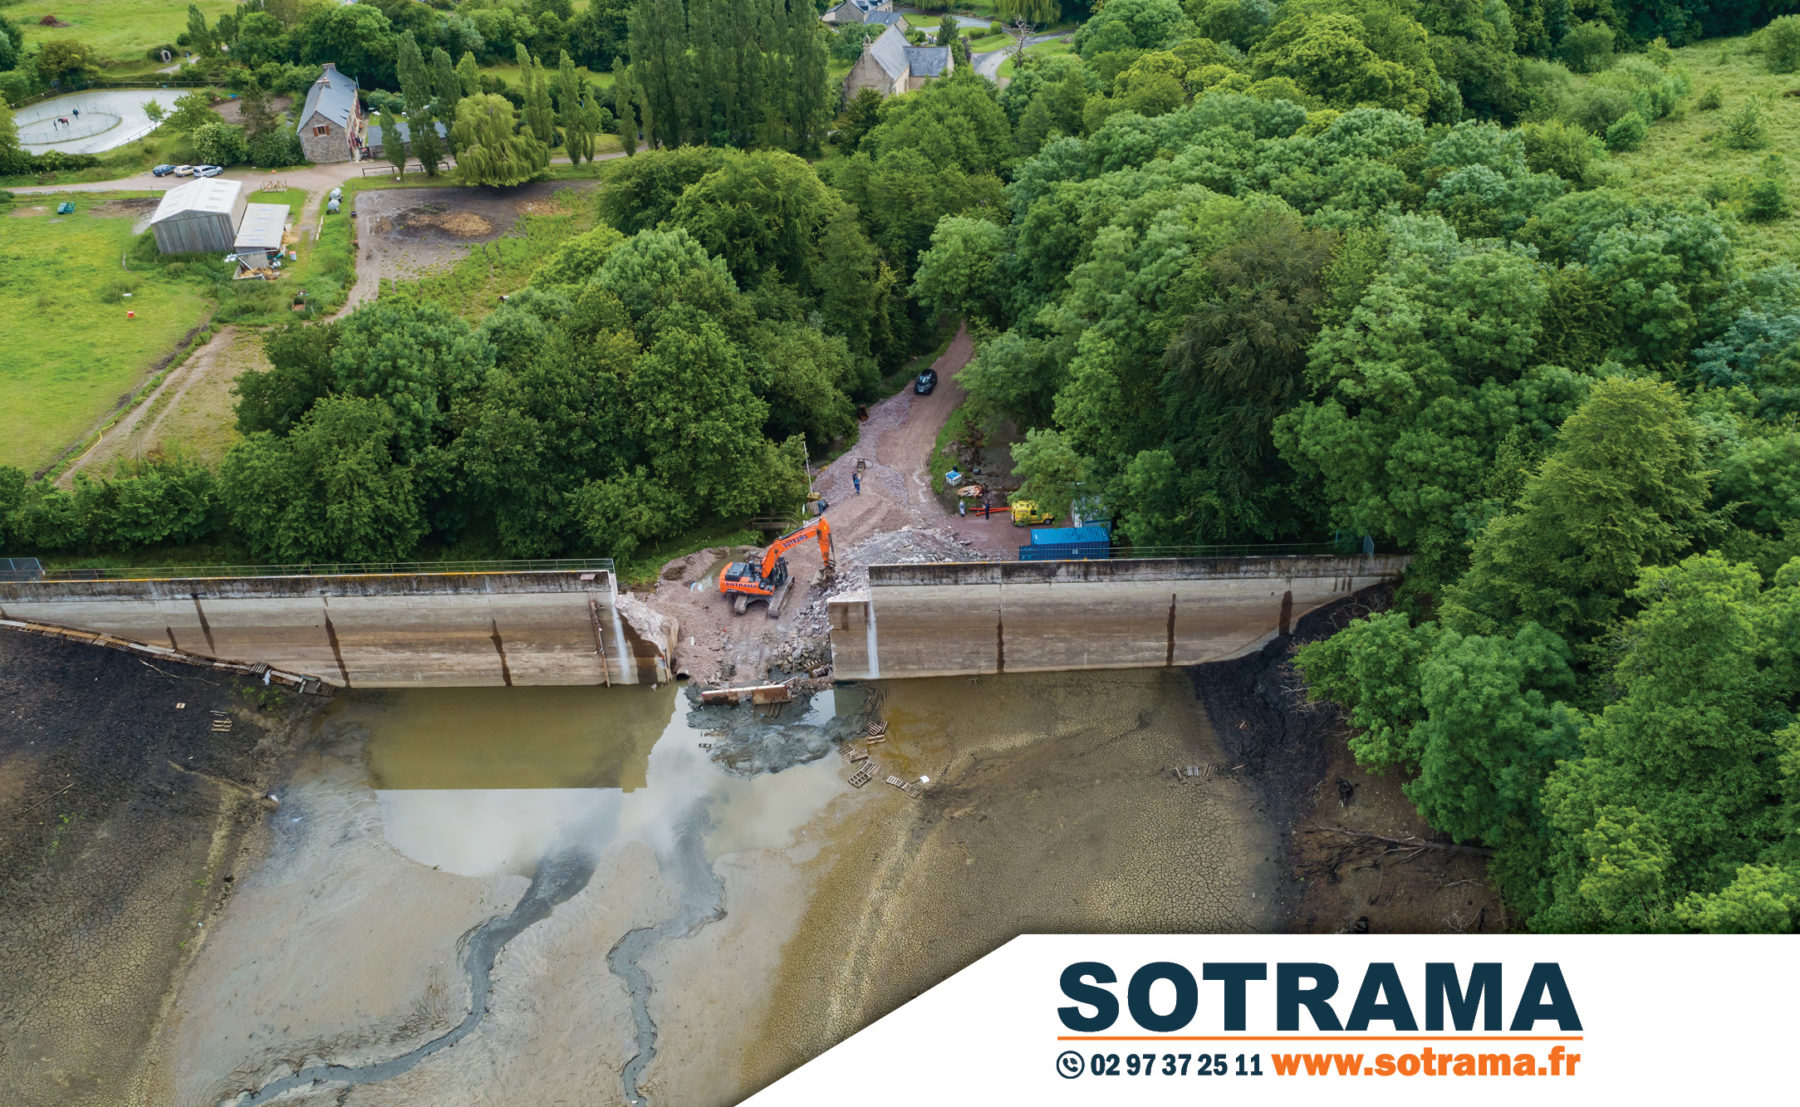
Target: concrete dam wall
<point x="1038" y="616"/>
<point x="387" y="630"/>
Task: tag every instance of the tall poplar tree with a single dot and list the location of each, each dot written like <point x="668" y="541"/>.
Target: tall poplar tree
<point x="446" y="88"/>
<point x="540" y="117"/>
<point x="624" y="99"/>
<point x="577" y="136"/>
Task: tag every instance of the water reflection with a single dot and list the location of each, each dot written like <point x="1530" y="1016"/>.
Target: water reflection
<point x="489" y="780"/>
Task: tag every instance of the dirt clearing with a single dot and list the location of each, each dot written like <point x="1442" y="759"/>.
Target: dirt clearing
<point x="405" y="233"/>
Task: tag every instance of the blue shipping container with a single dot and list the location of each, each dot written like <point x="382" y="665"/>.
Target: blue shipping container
<point x="1067" y="544"/>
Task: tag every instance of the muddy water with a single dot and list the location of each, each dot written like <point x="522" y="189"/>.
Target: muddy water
<point x="419" y="891"/>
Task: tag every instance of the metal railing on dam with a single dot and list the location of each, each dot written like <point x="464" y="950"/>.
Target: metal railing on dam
<point x="964" y="618"/>
<point x="384" y="625"/>
<point x="322" y="569"/>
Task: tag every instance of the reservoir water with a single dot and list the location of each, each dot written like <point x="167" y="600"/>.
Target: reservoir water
<point x="609" y="895"/>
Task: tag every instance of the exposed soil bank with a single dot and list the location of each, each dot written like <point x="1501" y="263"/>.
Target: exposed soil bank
<point x="125" y="820"/>
<point x="1060" y="802"/>
<point x="1334" y="877"/>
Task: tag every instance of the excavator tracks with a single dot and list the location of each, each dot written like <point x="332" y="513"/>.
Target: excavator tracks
<point x="779" y="598"/>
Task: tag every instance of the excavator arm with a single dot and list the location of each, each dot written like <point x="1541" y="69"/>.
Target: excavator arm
<point x="788" y="541"/>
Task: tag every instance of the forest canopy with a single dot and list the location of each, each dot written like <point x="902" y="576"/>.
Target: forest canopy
<point x="1245" y="272"/>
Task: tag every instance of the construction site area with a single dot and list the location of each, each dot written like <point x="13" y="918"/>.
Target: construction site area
<point x="671" y="891"/>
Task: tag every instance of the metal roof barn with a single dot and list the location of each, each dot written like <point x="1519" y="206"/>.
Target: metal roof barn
<point x="198" y="217"/>
<point x="260" y="232"/>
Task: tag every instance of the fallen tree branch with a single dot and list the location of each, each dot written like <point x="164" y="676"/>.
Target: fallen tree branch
<point x="1408" y="843"/>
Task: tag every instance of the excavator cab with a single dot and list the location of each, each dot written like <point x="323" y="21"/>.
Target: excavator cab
<point x="768" y="579"/>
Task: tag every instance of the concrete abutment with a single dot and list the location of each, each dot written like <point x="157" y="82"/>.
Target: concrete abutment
<point x="958" y="619"/>
<point x="387" y="630"/>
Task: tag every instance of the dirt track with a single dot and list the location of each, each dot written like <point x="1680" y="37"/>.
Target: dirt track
<point x="895" y="445"/>
<point x="211" y="370"/>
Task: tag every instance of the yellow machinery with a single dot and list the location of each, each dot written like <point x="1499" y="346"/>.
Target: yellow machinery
<point x="1025" y="513"/>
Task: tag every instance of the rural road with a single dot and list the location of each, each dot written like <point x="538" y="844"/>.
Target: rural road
<point x="988" y="64"/>
<point x="894" y="447"/>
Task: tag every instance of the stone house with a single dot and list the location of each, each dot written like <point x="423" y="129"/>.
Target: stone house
<point x="332" y="125"/>
<point x="890" y="65"/>
<point x="858" y="11"/>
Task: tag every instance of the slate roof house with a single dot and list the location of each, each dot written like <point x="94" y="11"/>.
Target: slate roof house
<point x="377" y="148"/>
<point x="890" y="65"/>
<point x="332" y="124"/>
<point x="858" y="11"/>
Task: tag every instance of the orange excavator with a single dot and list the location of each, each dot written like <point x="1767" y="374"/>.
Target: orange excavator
<point x="749" y="581"/>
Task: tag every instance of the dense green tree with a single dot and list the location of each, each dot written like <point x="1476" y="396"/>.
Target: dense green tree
<point x="391" y="142"/>
<point x="1418" y="387"/>
<point x="220" y="143"/>
<point x="357" y="37"/>
<point x="416" y="357"/>
<point x="1671" y="793"/>
<point x="692" y="407"/>
<point x="193" y="110"/>
<point x="1367" y="53"/>
<point x="644" y="191"/>
<point x="963" y="274"/>
<point x="333" y="490"/>
<point x="1132" y="24"/>
<point x="761" y="212"/>
<point x="1624" y="489"/>
<point x="1239" y="362"/>
<point x="446" y="87"/>
<point x="647" y="270"/>
<point x="1493" y="728"/>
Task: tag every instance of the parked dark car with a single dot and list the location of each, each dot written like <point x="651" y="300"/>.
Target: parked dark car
<point x="162" y="170"/>
<point x="926" y="382"/>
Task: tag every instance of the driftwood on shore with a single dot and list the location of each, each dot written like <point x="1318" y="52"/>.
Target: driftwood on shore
<point x="1411" y="844"/>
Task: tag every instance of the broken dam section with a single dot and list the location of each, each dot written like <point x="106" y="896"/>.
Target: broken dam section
<point x="376" y="629"/>
<point x="969" y="618"/>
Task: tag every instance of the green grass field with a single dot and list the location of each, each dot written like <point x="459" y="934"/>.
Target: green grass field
<point x="119" y="31"/>
<point x="71" y="354"/>
<point x="1042" y="49"/>
<point x="1684" y="158"/>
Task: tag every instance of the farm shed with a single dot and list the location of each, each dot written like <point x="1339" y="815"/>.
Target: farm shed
<point x="259" y="235"/>
<point x="200" y="216"/>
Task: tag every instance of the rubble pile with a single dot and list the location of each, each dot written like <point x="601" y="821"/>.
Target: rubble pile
<point x="807" y="646"/>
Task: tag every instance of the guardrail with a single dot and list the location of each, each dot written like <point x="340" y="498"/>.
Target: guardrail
<point x="334" y="568"/>
<point x="1288" y="549"/>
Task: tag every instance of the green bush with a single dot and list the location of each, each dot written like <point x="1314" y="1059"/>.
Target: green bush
<point x="1780" y="42"/>
<point x="1628" y="133"/>
<point x="1557" y="147"/>
<point x="276" y="149"/>
<point x="1588" y="47"/>
<point x="1745" y="128"/>
<point x="1766" y="198"/>
<point x="1711" y="99"/>
<point x="221" y="144"/>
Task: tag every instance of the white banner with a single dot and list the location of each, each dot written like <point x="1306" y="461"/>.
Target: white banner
<point x="1185" y="1019"/>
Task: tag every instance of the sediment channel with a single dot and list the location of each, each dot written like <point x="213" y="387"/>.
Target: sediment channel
<point x="557" y="878"/>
